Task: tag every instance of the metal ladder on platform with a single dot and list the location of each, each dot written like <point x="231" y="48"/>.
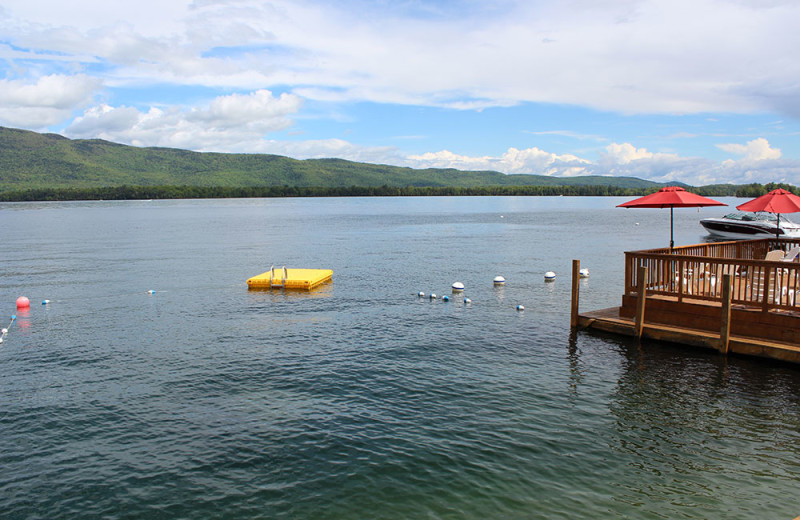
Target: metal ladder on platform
<point x="279" y="282"/>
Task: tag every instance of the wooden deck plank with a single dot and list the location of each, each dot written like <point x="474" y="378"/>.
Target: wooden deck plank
<point x="610" y="320"/>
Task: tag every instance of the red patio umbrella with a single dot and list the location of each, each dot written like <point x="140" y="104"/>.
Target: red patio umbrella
<point x="777" y="201"/>
<point x="671" y="197"/>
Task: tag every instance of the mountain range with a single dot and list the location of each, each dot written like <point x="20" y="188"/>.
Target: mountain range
<point x="31" y="160"/>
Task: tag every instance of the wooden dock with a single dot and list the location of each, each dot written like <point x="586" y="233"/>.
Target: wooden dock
<point x="609" y="320"/>
<point x="716" y="296"/>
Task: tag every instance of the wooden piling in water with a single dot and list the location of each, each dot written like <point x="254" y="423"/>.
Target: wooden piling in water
<point x="725" y="318"/>
<point x="576" y="270"/>
<point x="638" y="324"/>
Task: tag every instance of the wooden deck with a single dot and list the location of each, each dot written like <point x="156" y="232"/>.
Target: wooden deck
<point x="727" y="296"/>
<point x="609" y="320"/>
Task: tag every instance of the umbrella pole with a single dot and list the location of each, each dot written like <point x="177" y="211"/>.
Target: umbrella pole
<point x="671" y="241"/>
<point x="778" y="229"/>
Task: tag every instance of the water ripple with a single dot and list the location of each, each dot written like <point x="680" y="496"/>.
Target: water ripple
<point x="205" y="400"/>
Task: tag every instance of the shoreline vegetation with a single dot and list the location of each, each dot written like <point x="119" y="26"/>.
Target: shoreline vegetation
<point x="50" y="167"/>
<point x="225" y="192"/>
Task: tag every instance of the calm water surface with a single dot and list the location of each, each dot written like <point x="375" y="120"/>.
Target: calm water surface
<point x="361" y="400"/>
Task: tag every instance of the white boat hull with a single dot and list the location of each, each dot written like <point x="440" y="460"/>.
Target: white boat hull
<point x="739" y="226"/>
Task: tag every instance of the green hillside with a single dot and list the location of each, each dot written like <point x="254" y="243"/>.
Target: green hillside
<point x="29" y="161"/>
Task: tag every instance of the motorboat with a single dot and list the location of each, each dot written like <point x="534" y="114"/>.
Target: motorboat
<point x="750" y="225"/>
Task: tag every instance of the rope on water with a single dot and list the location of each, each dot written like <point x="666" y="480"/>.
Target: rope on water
<point x="4" y="331"/>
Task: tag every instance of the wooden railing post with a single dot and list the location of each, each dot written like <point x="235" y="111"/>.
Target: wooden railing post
<point x="576" y="269"/>
<point x="638" y="325"/>
<point x="725" y="320"/>
<point x="630" y="259"/>
<point x="765" y="289"/>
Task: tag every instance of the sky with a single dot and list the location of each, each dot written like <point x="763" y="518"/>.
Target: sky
<point x="696" y="91"/>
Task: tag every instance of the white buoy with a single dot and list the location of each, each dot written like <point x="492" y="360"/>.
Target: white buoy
<point x="467" y="300"/>
<point x="583" y="273"/>
<point x="549" y="276"/>
<point x="421" y="294"/>
<point x="45" y="302"/>
<point x="433" y="296"/>
<point x="458" y="287"/>
<point x="499" y="280"/>
<point x="151" y="291"/>
<point x="520" y="308"/>
<point x="445" y="298"/>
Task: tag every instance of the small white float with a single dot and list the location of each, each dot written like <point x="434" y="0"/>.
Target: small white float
<point x="549" y="276"/>
<point x="499" y="280"/>
<point x="583" y="273"/>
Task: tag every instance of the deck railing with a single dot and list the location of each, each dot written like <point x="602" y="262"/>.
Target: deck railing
<point x="695" y="272"/>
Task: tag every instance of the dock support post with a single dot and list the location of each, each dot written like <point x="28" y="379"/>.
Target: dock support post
<point x="725" y="320"/>
<point x="765" y="289"/>
<point x="576" y="269"/>
<point x="638" y="325"/>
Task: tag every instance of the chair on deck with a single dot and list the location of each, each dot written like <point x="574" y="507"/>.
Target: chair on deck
<point x="778" y="290"/>
<point x="775" y="256"/>
<point x="791" y="255"/>
<point x="787" y="279"/>
<point x="712" y="273"/>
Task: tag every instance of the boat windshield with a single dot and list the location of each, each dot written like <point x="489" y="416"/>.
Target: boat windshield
<point x="757" y="216"/>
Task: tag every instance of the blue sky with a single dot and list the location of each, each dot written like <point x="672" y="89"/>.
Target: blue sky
<point x="698" y="91"/>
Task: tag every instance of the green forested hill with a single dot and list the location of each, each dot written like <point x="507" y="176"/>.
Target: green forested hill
<point x="29" y="160"/>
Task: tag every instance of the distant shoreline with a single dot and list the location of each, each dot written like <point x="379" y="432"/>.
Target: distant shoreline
<point x="223" y="192"/>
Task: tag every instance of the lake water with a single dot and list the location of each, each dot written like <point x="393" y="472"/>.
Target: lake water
<point x="362" y="400"/>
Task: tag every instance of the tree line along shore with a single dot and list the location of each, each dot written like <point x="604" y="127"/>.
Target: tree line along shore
<point x="211" y="192"/>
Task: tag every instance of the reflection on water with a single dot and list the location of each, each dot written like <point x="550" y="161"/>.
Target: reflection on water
<point x="275" y="295"/>
<point x="695" y="416"/>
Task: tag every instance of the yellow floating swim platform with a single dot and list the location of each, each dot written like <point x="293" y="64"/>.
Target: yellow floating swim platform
<point x="283" y="278"/>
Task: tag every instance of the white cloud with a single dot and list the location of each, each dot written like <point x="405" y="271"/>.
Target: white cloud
<point x="627" y="160"/>
<point x="755" y="150"/>
<point x="624" y="159"/>
<point x="258" y="109"/>
<point x="759" y="163"/>
<point x="46" y="101"/>
<point x="228" y="123"/>
<point x="479" y="55"/>
<point x="531" y="160"/>
<point x="625" y="153"/>
<point x="448" y="159"/>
